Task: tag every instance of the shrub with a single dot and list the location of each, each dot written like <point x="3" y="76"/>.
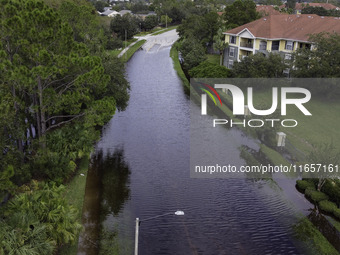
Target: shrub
<point x="209" y="70"/>
<point x="336" y="213"/>
<point x="327" y="206"/>
<point x="303" y="185"/>
<point x="316" y="196"/>
<point x="308" y="191"/>
<point x="332" y="189"/>
<point x="114" y="43"/>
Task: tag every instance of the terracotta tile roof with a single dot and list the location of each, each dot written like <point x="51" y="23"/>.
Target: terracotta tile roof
<point x="300" y="6"/>
<point x="266" y="10"/>
<point x="220" y="13"/>
<point x="295" y="27"/>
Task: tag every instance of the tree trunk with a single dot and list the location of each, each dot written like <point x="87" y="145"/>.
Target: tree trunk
<point x="221" y="58"/>
<point x="38" y="129"/>
<point x="42" y="115"/>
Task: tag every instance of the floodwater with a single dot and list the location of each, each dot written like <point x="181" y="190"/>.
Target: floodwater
<point x="140" y="168"/>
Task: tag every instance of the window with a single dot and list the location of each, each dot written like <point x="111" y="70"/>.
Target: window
<point x="288" y="56"/>
<point x="231" y="52"/>
<point x="230" y="64"/>
<point x="232" y="39"/>
<point x="263" y="45"/>
<point x="289" y="45"/>
<point x="275" y="45"/>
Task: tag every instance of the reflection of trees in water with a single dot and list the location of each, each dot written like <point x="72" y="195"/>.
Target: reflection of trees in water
<point x="325" y="227"/>
<point x="115" y="179"/>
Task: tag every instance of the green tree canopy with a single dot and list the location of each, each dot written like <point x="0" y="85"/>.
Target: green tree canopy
<point x="323" y="61"/>
<point x="260" y="66"/>
<point x="202" y="27"/>
<point x="240" y="13"/>
<point x="290" y="4"/>
<point x="49" y="80"/>
<point x="124" y="25"/>
<point x="192" y="53"/>
<point x="150" y="22"/>
<point x="209" y="70"/>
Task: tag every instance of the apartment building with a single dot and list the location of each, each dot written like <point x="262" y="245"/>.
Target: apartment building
<point x="281" y="34"/>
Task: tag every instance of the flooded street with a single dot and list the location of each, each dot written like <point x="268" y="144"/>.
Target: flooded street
<point x="141" y="169"/>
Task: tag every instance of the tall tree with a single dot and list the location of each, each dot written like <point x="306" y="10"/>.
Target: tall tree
<point x="193" y="53"/>
<point x="124" y="26"/>
<point x="290" y="4"/>
<point x="48" y="79"/>
<point x="240" y="13"/>
<point x="323" y="61"/>
<point x="220" y="44"/>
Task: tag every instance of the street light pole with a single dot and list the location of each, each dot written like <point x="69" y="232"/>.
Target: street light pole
<point x="138" y="222"/>
<point x="136" y="236"/>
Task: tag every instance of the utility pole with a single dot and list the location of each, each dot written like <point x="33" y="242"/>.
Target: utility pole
<point x="125" y="43"/>
<point x="166" y="20"/>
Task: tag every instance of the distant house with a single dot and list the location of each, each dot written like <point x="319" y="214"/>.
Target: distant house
<point x="123" y="12"/>
<point x="109" y="13"/>
<point x="143" y="16"/>
<point x="282" y="34"/>
<point x="266" y="10"/>
<point x="300" y="6"/>
<point x="118" y="1"/>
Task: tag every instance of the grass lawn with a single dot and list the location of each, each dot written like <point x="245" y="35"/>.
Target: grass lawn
<point x="164" y="30"/>
<point x="149" y="32"/>
<point x="317" y="243"/>
<point x="75" y="191"/>
<point x="129" y="53"/>
<point x="321" y="127"/>
<point x="213" y="58"/>
<point x="177" y="66"/>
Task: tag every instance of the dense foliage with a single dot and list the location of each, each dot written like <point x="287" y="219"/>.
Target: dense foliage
<point x="240" y="13"/>
<point x="209" y="70"/>
<point x="58" y="85"/>
<point x="38" y="221"/>
<point x="321" y="62"/>
<point x="260" y="66"/>
<point x="124" y="27"/>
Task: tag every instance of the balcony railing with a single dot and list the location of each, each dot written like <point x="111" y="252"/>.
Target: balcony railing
<point x="246" y="45"/>
<point x="275" y="47"/>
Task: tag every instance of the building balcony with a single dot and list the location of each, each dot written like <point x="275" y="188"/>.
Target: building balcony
<point x="246" y="45"/>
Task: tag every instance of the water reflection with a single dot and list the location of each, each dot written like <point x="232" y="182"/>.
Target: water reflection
<point x="325" y="227"/>
<point x="107" y="181"/>
<point x="115" y="182"/>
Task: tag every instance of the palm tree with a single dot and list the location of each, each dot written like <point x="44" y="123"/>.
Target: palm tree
<point x="220" y="44"/>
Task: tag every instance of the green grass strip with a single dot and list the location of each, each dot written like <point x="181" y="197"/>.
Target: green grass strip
<point x="75" y="192"/>
<point x="309" y="234"/>
<point x="164" y="30"/>
<point x="129" y="53"/>
<point x="178" y="67"/>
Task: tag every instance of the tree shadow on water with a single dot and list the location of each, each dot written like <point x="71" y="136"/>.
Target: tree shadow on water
<point x="115" y="179"/>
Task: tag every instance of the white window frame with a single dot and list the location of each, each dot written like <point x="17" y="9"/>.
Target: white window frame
<point x="231" y="52"/>
<point x="230" y="39"/>
<point x="230" y="63"/>
<point x="289" y="45"/>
